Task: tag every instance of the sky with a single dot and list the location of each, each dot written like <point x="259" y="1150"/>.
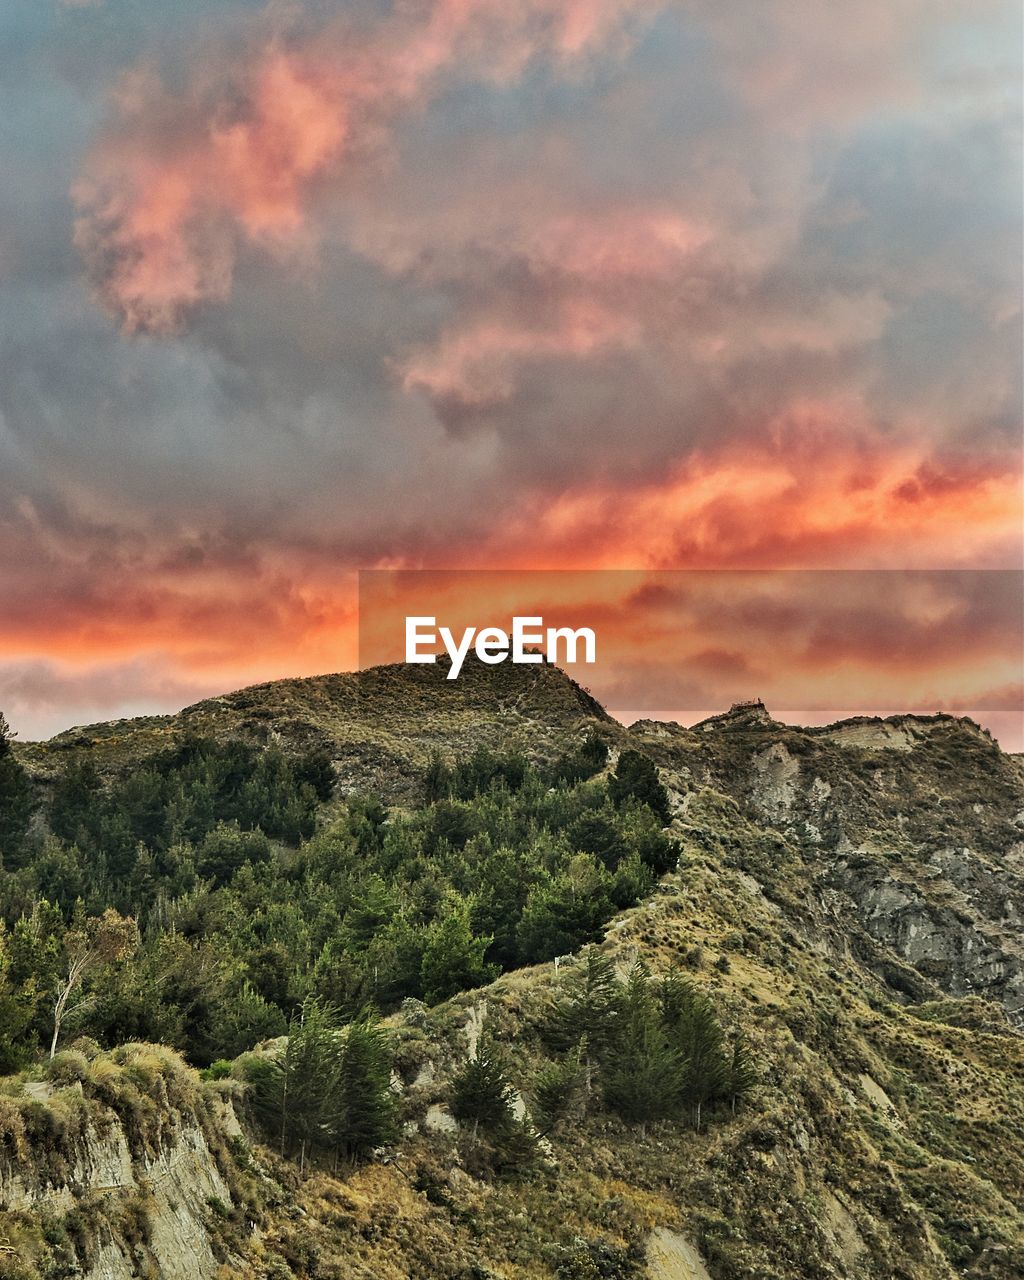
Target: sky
<point x="294" y="289"/>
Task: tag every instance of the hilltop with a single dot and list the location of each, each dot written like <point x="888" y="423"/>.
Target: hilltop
<point x="378" y="725"/>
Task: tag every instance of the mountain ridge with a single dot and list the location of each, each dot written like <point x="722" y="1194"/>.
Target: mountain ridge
<point x="853" y="903"/>
<point x="475" y="689"/>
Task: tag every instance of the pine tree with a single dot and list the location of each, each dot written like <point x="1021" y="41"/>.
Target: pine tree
<point x="642" y="1081"/>
<point x="590" y="757"/>
<point x="636" y="778"/>
<point x="373" y="904"/>
<point x="365" y="1109"/>
<point x="296" y="1094"/>
<point x="453" y="959"/>
<point x="598" y="833"/>
<point x="481" y="1091"/>
<point x="17" y="802"/>
<point x="594" y="750"/>
<point x="515" y="1148"/>
<point x="564" y="909"/>
<point x="315" y="769"/>
<point x="696" y="1034"/>
<point x="76" y="802"/>
<point x="589" y="1011"/>
<point x="437" y="779"/>
<point x="743" y="1074"/>
<point x="18" y="1003"/>
<point x="557" y="1088"/>
<point x="244" y="1018"/>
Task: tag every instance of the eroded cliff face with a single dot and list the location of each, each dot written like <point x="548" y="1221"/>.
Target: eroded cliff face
<point x="955" y="919"/>
<point x="179" y="1184"/>
<point x="910" y="832"/>
<point x="120" y="1168"/>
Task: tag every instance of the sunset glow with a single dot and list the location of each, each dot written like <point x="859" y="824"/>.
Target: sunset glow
<point x="293" y="291"/>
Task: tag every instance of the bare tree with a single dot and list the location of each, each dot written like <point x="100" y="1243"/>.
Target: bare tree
<point x="101" y="940"/>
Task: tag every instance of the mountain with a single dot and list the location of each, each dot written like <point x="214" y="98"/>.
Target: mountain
<point x="849" y="897"/>
<point x="378" y="725"/>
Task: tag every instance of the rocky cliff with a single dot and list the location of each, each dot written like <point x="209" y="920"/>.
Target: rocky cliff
<point x="114" y="1167"/>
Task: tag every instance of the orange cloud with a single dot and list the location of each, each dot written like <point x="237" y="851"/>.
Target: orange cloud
<point x="581" y="265"/>
<point x="162" y="215"/>
<point x="476" y="366"/>
<point x="181" y="179"/>
<point x="173" y="620"/>
<point x="820" y="642"/>
<point x="815" y="487"/>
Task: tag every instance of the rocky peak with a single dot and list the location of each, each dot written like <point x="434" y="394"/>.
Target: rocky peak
<point x="741" y="715"/>
<point x="901" y="732"/>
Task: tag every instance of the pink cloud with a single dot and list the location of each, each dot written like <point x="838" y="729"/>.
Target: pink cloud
<point x="476" y="366"/>
<point x="181" y="180"/>
<point x="815" y="485"/>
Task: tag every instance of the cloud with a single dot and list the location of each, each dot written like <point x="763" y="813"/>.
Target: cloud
<point x="441" y="283"/>
<point x="824" y="642"/>
<point x="186" y="178"/>
<point x="792" y="61"/>
<point x="47" y="697"/>
<point x="815" y="485"/>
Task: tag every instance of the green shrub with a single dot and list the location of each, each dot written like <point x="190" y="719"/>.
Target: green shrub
<point x="68" y="1068"/>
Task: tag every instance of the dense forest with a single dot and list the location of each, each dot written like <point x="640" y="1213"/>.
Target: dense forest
<point x="219" y="895"/>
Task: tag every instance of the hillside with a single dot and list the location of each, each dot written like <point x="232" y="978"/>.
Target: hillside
<point x="849" y="897"/>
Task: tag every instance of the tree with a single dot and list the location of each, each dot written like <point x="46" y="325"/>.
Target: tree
<point x="367" y="816"/>
<point x="576" y="766"/>
<point x="76" y="801"/>
<point x="451" y="823"/>
<point x="642" y="1082"/>
<point x="315" y="770"/>
<point x="565" y="910"/>
<point x="503" y="879"/>
<point x="243" y="1018"/>
<point x="557" y="1088"/>
<point x="329" y="1089"/>
<point x="594" y="750"/>
<point x="226" y="849"/>
<point x="642" y="832"/>
<point x="599" y="834"/>
<point x="17" y="1010"/>
<point x="437" y="779"/>
<point x="296" y="1092"/>
<point x="17" y="801"/>
<point x="7" y="736"/>
<point x="481" y="1091"/>
<point x="60" y="873"/>
<point x="743" y="1074"/>
<point x="373" y="904"/>
<point x="453" y="959"/>
<point x="590" y="1010"/>
<point x="695" y="1032"/>
<point x="143" y="799"/>
<point x="393" y="963"/>
<point x="98" y="941"/>
<point x="365" y="1114"/>
<point x="636" y="778"/>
